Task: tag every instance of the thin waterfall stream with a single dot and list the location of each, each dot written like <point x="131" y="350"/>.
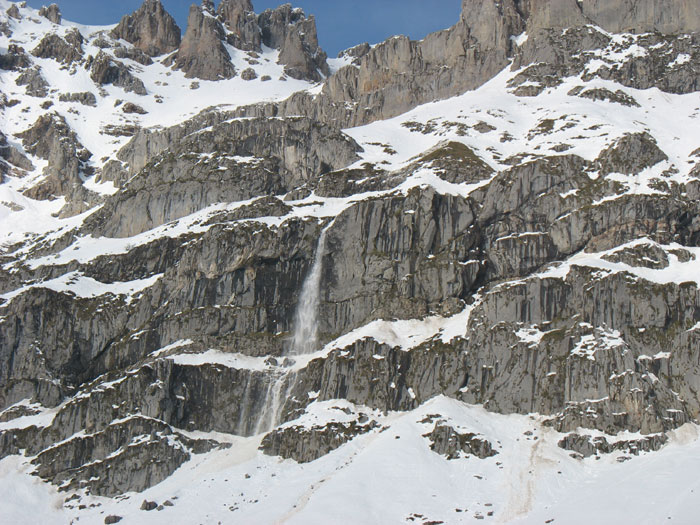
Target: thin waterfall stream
<point x="304" y="339"/>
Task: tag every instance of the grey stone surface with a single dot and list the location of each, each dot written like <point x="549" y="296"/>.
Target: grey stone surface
<point x="85" y="98"/>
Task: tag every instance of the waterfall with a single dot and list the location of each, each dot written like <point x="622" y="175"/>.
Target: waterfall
<point x="304" y="340"/>
<point x="306" y="319"/>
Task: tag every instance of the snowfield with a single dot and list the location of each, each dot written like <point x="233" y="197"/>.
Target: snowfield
<point x="391" y="476"/>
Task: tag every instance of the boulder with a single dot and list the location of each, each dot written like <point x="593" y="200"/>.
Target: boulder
<point x="86" y="98"/>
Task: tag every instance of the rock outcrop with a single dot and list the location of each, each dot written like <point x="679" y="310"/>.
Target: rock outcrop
<point x="105" y="70"/>
<point x="51" y="13"/>
<point x="447" y="441"/>
<point x="15" y="59"/>
<point x="304" y="445"/>
<point x="150" y="28"/>
<point x="51" y="138"/>
<point x="86" y="98"/>
<point x="202" y="53"/>
<point x="35" y="82"/>
<point x="65" y="50"/>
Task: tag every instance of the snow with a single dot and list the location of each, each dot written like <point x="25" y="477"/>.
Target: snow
<point x="407" y="334"/>
<point x="217" y="357"/>
<point x="520" y="39"/>
<point x="42" y="418"/>
<point x="25" y="498"/>
<point x="587" y="126"/>
<point x="677" y="272"/>
<point x="394" y="474"/>
<point x="530" y="336"/>
<point x="588" y="345"/>
<point x="86" y="287"/>
<point x="173" y="346"/>
<point x="682" y="58"/>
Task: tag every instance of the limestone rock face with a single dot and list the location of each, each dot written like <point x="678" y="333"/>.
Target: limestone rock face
<point x="150" y="28"/>
<point x="491" y="24"/>
<point x="284" y="153"/>
<point x="202" y="53"/>
<point x="665" y="16"/>
<point x="554" y="15"/>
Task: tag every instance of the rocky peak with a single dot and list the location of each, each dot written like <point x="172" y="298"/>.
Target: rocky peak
<point x="240" y="19"/>
<point x="289" y="30"/>
<point x="150" y="28"/>
<point x="13" y="12"/>
<point x="52" y="13"/>
<point x="202" y="53"/>
<point x="208" y="6"/>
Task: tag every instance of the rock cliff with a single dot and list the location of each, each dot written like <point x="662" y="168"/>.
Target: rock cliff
<point x="487" y="242"/>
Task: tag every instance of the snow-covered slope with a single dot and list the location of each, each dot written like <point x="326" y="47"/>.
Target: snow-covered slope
<point x="392" y="476"/>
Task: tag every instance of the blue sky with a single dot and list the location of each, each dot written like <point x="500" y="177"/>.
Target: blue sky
<point x="341" y="23"/>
